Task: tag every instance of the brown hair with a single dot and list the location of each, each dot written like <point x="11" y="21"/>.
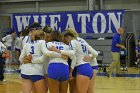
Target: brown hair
<point x="47" y="29"/>
<point x="56" y="36"/>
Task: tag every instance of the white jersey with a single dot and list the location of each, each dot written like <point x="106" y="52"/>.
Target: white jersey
<point x="80" y="49"/>
<point x="18" y="43"/>
<point x="8" y="40"/>
<point x="94" y="60"/>
<point x="36" y="49"/>
<point x="2" y="47"/>
<point x="26" y="40"/>
<point x="45" y="64"/>
<point x="60" y="46"/>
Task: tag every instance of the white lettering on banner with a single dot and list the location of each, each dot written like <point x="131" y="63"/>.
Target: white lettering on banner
<point x="113" y="19"/>
<point x="22" y="21"/>
<point x="35" y="18"/>
<point x="95" y="22"/>
<point x="98" y="22"/>
<point x="83" y="18"/>
<point x="43" y="20"/>
<point x="70" y="23"/>
<point x="54" y="19"/>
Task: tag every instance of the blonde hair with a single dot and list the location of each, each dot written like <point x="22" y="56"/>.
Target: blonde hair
<point x="72" y="31"/>
<point x="40" y="34"/>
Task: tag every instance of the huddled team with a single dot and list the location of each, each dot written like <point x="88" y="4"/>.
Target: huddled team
<point x="50" y="60"/>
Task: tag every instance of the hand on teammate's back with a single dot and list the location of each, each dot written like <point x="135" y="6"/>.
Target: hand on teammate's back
<point x="27" y="59"/>
<point x="64" y="57"/>
<point x="87" y="58"/>
<point x="54" y="49"/>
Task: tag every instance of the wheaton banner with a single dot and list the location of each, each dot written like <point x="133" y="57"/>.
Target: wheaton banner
<point x="107" y="21"/>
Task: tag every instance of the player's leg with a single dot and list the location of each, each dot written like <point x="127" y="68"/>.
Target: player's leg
<point x="72" y="85"/>
<point x="39" y="83"/>
<point x="82" y="83"/>
<point x="63" y="86"/>
<point x="26" y="84"/>
<point x="53" y="85"/>
<point x="46" y="82"/>
<point x="92" y="82"/>
<point x="83" y="78"/>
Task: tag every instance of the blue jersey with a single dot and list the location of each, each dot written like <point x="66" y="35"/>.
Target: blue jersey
<point x="116" y="40"/>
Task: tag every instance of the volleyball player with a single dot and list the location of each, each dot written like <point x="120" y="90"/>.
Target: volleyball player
<point x="58" y="70"/>
<point x="8" y="43"/>
<point x="84" y="70"/>
<point x="33" y="74"/>
<point x="18" y="46"/>
<point x="93" y="63"/>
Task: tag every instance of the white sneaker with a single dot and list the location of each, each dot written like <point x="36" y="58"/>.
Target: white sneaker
<point x="4" y="80"/>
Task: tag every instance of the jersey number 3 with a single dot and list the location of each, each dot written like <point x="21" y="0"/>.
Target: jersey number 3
<point x="32" y="50"/>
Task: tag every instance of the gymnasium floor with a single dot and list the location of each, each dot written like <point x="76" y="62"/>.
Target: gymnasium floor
<point x="129" y="84"/>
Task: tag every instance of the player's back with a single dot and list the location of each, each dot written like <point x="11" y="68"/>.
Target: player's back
<point x="60" y="46"/>
<point x="81" y="50"/>
<point x="34" y="49"/>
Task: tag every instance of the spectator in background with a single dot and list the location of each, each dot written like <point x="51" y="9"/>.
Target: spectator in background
<point x="138" y="52"/>
<point x="8" y="43"/>
<point x="2" y="60"/>
<point x="115" y="49"/>
<point x="18" y="48"/>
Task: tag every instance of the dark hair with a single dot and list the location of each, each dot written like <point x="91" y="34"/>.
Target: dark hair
<point x="47" y="29"/>
<point x="25" y="32"/>
<point x="11" y="30"/>
<point x="35" y="26"/>
<point x="56" y="36"/>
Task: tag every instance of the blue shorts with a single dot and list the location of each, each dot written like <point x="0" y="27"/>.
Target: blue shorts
<point x="16" y="49"/>
<point x="9" y="48"/>
<point x="58" y="71"/>
<point x="33" y="78"/>
<point x="85" y="70"/>
<point x="95" y="67"/>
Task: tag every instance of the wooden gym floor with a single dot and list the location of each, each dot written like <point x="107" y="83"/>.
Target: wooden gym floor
<point x="102" y="85"/>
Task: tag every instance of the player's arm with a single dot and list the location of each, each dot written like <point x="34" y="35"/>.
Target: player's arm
<point x="93" y="52"/>
<point x="72" y="50"/>
<point x="22" y="55"/>
<point x="5" y="38"/>
<point x="69" y="53"/>
<point x="2" y="45"/>
<point x="48" y="53"/>
<point x="38" y="60"/>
